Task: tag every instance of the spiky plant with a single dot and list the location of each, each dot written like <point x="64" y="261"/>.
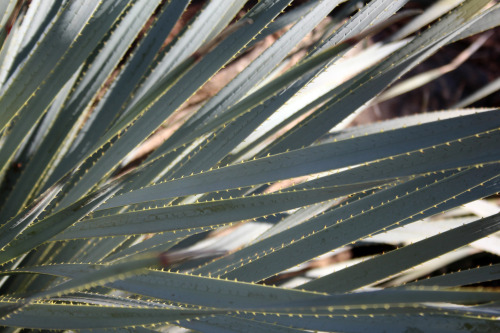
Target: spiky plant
<point x="262" y="177"/>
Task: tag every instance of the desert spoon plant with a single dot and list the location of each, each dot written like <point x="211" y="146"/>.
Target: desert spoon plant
<point x="261" y="177"/>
